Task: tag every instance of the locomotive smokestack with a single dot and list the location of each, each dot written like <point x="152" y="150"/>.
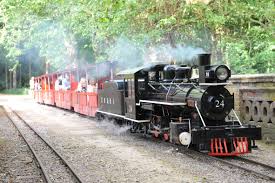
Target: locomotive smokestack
<point x="204" y="59"/>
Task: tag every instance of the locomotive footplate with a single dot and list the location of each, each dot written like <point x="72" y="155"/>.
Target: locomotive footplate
<point x="226" y="141"/>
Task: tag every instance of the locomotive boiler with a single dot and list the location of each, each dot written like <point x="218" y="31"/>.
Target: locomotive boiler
<point x="185" y="105"/>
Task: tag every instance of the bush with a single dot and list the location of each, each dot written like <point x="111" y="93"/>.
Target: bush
<point x="16" y="91"/>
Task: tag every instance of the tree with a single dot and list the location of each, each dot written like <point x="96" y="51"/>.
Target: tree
<point x="238" y="33"/>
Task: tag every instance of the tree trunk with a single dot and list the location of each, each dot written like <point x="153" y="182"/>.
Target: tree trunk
<point x="47" y="67"/>
<point x="10" y="75"/>
<point x="220" y="51"/>
<point x="77" y="71"/>
<point x="225" y="58"/>
<point x="171" y="39"/>
<point x="6" y="75"/>
<point x="14" y="79"/>
<point x="30" y="69"/>
<point x="20" y="76"/>
<point x="214" y="57"/>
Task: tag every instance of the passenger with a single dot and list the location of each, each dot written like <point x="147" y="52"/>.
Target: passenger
<point x="32" y="83"/>
<point x="82" y="85"/>
<point x="152" y="76"/>
<point x="36" y="86"/>
<point x="92" y="86"/>
<point x="66" y="84"/>
<point x="56" y="84"/>
<point x="60" y="82"/>
<point x="39" y="86"/>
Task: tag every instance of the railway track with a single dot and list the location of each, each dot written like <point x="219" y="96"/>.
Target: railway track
<point x="258" y="169"/>
<point x="41" y="149"/>
<point x="52" y="164"/>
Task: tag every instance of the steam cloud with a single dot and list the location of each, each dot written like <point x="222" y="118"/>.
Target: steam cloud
<point x="112" y="128"/>
<point x="60" y="45"/>
<point x="54" y="43"/>
<point x="130" y="54"/>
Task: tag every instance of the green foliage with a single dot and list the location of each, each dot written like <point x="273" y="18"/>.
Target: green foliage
<point x="239" y="58"/>
<point x="17" y="91"/>
<point x="238" y="33"/>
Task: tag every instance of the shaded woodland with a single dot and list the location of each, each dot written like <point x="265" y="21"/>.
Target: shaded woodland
<point x="52" y="34"/>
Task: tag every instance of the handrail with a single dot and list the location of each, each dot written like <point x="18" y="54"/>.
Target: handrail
<point x="237" y="117"/>
<point x="200" y="114"/>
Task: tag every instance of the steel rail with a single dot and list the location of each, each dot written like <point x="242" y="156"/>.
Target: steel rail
<point x="256" y="163"/>
<point x="195" y="154"/>
<point x="67" y="164"/>
<point x="259" y="174"/>
<point x="40" y="165"/>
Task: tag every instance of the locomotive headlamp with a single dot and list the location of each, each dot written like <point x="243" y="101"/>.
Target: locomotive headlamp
<point x="222" y="73"/>
<point x="217" y="73"/>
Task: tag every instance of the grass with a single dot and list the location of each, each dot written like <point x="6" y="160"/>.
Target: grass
<point x="15" y="91"/>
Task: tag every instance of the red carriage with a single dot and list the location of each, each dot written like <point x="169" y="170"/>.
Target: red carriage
<point x="73" y="89"/>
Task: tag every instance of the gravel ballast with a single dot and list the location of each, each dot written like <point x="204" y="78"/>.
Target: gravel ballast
<point x="17" y="163"/>
<point x="104" y="152"/>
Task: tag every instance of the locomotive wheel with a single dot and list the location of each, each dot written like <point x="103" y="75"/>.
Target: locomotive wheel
<point x="247" y="110"/>
<point x="165" y="137"/>
<point x="256" y="111"/>
<point x="265" y="112"/>
<point x="272" y="111"/>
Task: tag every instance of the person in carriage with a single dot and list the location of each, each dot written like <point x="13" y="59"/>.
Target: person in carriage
<point x="92" y="85"/>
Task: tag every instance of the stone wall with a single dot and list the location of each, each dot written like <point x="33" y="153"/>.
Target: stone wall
<point x="255" y="101"/>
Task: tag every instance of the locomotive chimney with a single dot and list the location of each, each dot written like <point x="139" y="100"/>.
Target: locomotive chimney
<point x="204" y="60"/>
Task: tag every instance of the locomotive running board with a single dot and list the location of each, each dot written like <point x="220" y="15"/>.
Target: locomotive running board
<point x="123" y="117"/>
<point x="214" y="84"/>
<point x="161" y="102"/>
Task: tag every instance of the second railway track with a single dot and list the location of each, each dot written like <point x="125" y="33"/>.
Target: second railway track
<point x="54" y="167"/>
<point x="259" y="169"/>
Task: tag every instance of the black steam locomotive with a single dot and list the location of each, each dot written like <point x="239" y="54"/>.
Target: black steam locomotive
<point x="168" y="102"/>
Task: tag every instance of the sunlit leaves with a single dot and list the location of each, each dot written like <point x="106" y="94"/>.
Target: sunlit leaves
<point x="241" y="30"/>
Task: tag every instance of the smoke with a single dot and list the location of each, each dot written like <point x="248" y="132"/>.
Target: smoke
<point x="55" y="43"/>
<point x="113" y="128"/>
<point x="179" y="54"/>
<point x="127" y="53"/>
<point x="130" y="54"/>
<point x="59" y="46"/>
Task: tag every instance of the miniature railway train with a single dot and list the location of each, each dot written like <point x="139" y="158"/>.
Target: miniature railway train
<point x="161" y="100"/>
